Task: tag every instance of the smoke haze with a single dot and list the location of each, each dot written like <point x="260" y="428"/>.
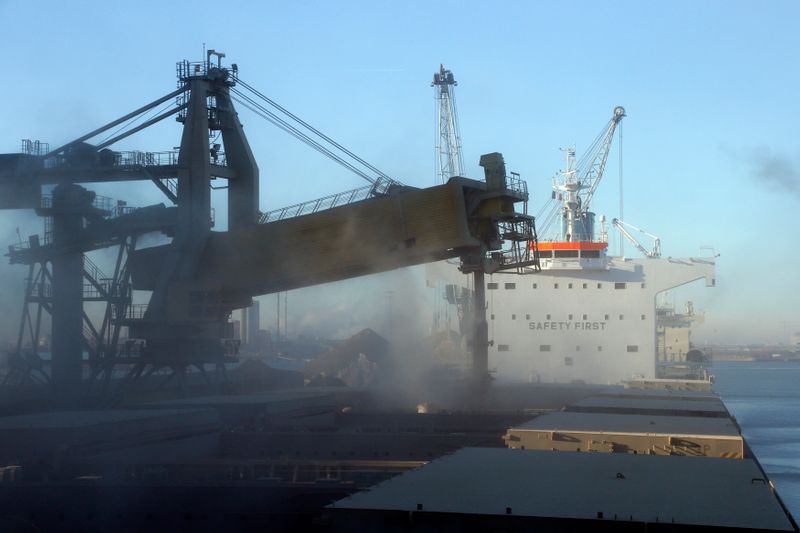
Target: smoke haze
<point x="12" y="277"/>
<point x="775" y="169"/>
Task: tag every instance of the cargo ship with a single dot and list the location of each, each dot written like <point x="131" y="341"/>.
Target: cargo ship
<point x="582" y="314"/>
<point x="586" y="315"/>
<point x="266" y="450"/>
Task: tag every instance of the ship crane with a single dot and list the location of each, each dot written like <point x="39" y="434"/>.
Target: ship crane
<point x="592" y="168"/>
<point x="448" y="139"/>
<point x="651" y="254"/>
<point x="574" y="188"/>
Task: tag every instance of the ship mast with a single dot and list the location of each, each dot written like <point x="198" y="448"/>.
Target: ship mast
<point x="575" y="186"/>
<point x="568" y="186"/>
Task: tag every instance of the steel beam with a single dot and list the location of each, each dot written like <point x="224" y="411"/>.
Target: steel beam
<point x="69" y="204"/>
<point x="243" y="191"/>
<point x="120" y="120"/>
<point x="141" y="126"/>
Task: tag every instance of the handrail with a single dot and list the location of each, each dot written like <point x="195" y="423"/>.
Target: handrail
<point x="321" y="204"/>
<point x="132" y="158"/>
<point x="312" y="206"/>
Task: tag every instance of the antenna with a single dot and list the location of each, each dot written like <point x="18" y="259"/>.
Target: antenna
<point x="621" y="205"/>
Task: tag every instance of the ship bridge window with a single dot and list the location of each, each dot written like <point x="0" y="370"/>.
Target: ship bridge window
<point x="633" y="348"/>
<point x="569" y="286"/>
<point x="546" y="255"/>
<point x="502" y="347"/>
<point x="590" y="254"/>
<point x="555" y="285"/>
<point x="544" y="347"/>
<point x="568" y="361"/>
<point x="535" y="285"/>
<point x="566" y="253"/>
<point x="511" y="285"/>
<point x="585" y="285"/>
<point x="643" y="285"/>
<point x="599" y="285"/>
<point x="491" y="286"/>
<point x="619" y="285"/>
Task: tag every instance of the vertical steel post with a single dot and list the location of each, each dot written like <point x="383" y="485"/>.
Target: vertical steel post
<point x="194" y="200"/>
<point x="480" y="343"/>
<point x="243" y="189"/>
<point x="70" y="202"/>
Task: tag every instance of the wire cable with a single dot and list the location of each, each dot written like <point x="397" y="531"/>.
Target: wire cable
<point x="283" y="125"/>
<point x="151" y="113"/>
<point x="298" y="135"/>
<point x="270" y="117"/>
<point x="311" y="128"/>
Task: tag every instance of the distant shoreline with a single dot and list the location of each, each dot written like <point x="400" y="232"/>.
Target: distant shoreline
<point x="756" y="358"/>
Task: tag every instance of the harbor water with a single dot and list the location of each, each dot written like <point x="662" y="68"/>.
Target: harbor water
<point x="765" y="399"/>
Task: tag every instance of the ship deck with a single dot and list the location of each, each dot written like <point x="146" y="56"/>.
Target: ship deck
<point x="622" y="489"/>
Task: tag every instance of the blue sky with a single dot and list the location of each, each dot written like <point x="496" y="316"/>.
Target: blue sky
<point x="711" y="150"/>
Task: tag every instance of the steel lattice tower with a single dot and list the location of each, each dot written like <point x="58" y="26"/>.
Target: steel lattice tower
<point x="448" y="138"/>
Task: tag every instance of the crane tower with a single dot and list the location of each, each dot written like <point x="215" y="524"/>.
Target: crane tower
<point x="448" y="138"/>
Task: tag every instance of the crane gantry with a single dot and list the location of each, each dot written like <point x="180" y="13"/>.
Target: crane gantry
<point x="201" y="276"/>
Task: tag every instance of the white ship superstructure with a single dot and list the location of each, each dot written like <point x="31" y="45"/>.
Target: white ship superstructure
<point x="590" y="319"/>
<point x="585" y="316"/>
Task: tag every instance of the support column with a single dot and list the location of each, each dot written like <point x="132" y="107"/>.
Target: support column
<point x="70" y="202"/>
<point x="243" y="189"/>
<point x="253" y="322"/>
<point x="194" y="192"/>
<point x="194" y="202"/>
<point x="244" y="335"/>
<point x="480" y="342"/>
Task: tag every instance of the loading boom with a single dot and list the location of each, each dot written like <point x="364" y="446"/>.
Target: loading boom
<point x="202" y="276"/>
